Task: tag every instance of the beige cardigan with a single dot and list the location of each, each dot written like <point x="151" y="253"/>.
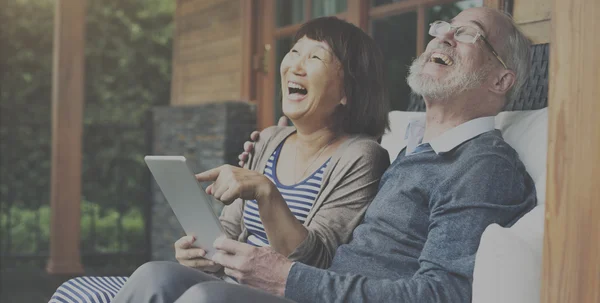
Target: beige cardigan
<point x="350" y="183"/>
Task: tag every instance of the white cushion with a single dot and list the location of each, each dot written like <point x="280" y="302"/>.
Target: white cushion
<point x="527" y="133"/>
<point x="507" y="266"/>
<point x="508" y="261"/>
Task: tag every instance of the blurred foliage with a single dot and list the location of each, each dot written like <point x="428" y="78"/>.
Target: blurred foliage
<point x="127" y="71"/>
<point x="98" y="229"/>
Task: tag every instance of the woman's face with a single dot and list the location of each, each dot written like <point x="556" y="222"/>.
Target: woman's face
<point x="312" y="82"/>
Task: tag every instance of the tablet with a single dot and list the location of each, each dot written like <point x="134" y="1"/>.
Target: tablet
<point x="190" y="203"/>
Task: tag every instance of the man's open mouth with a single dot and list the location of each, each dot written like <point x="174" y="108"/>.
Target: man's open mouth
<point x="441" y="59"/>
<point x="295" y="88"/>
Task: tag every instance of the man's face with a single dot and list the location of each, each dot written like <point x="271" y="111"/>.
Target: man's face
<point x="449" y="67"/>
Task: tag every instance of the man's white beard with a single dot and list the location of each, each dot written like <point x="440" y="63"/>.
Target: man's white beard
<point x="455" y="83"/>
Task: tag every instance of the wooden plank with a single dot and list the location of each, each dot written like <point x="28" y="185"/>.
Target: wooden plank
<point x="209" y="47"/>
<point x="397" y="8"/>
<point x="194" y="6"/>
<point x="420" y="30"/>
<point x="67" y="129"/>
<point x="201" y="97"/>
<point x="218" y="17"/>
<point x="209" y="51"/>
<point x="538" y="32"/>
<point x="358" y="13"/>
<point x="203" y="37"/>
<point x="497" y="4"/>
<point x="211" y="95"/>
<point x="266" y="81"/>
<point x="225" y="64"/>
<point x="247" y="33"/>
<point x="528" y="11"/>
<point x="201" y="45"/>
<point x="175" y="79"/>
<point x="307" y="10"/>
<point x="193" y="100"/>
<point x="287" y="31"/>
<point x="571" y="261"/>
<point x="211" y="80"/>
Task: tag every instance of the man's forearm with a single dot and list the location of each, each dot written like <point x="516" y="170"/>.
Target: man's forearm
<point x="308" y="284"/>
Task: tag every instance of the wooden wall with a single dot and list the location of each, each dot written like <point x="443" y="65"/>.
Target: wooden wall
<point x="572" y="231"/>
<point x="207" y="54"/>
<point x="533" y="16"/>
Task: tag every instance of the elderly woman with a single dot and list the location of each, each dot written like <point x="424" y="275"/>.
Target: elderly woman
<point x="305" y="188"/>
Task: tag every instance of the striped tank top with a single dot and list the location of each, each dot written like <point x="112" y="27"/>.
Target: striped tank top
<point x="299" y="197"/>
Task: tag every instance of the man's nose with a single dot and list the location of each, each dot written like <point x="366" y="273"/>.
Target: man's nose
<point x="448" y="38"/>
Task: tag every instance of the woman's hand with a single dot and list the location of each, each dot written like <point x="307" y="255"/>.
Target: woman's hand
<point x="193" y="257"/>
<point x="230" y="183"/>
<point x="249" y="145"/>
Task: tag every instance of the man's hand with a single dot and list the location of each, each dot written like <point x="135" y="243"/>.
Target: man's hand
<point x="232" y="182"/>
<point x="192" y="256"/>
<point x="249" y="145"/>
<point x="259" y="267"/>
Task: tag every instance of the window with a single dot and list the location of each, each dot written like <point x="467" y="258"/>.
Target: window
<point x="398" y="26"/>
<point x="401" y="33"/>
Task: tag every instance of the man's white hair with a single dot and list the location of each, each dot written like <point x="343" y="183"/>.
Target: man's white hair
<point x="515" y="53"/>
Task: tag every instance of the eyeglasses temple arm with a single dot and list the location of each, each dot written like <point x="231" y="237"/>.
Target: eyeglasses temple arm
<point x="493" y="51"/>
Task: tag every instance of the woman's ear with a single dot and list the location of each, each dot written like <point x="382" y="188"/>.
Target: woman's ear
<point x="503" y="82"/>
<point x="344" y="101"/>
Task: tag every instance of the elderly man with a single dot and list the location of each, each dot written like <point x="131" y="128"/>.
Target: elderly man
<point x="456" y="176"/>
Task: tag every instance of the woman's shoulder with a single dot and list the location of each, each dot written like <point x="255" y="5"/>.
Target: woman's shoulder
<point x="275" y="131"/>
<point x="270" y="138"/>
<point x="274" y="134"/>
<point x="363" y="148"/>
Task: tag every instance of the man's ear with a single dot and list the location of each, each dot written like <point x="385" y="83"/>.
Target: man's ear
<point x="503" y="82"/>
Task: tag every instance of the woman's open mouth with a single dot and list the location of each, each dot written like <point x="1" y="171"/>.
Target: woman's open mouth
<point x="296" y="91"/>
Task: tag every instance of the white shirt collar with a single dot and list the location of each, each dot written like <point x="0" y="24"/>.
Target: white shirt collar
<point x="449" y="139"/>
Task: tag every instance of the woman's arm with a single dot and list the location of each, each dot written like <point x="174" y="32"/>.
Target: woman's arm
<point x="284" y="231"/>
<point x="232" y="215"/>
<point x="232" y="184"/>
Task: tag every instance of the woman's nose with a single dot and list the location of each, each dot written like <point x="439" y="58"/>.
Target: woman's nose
<point x="297" y="66"/>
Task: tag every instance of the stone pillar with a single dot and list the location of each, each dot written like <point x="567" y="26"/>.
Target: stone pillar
<point x="208" y="135"/>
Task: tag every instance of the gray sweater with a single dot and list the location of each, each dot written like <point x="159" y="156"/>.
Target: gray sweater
<point x="418" y="240"/>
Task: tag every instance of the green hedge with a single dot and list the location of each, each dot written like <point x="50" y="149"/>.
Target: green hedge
<point x="26" y="223"/>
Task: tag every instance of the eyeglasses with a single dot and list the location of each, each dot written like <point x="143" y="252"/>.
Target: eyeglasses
<point x="465" y="34"/>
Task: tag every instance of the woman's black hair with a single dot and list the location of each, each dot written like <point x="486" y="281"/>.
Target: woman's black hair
<point x="367" y="107"/>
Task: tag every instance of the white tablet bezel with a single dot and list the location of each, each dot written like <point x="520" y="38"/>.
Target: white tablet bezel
<point x="188" y="200"/>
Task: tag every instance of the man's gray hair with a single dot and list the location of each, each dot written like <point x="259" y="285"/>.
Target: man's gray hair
<point x="516" y="53"/>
